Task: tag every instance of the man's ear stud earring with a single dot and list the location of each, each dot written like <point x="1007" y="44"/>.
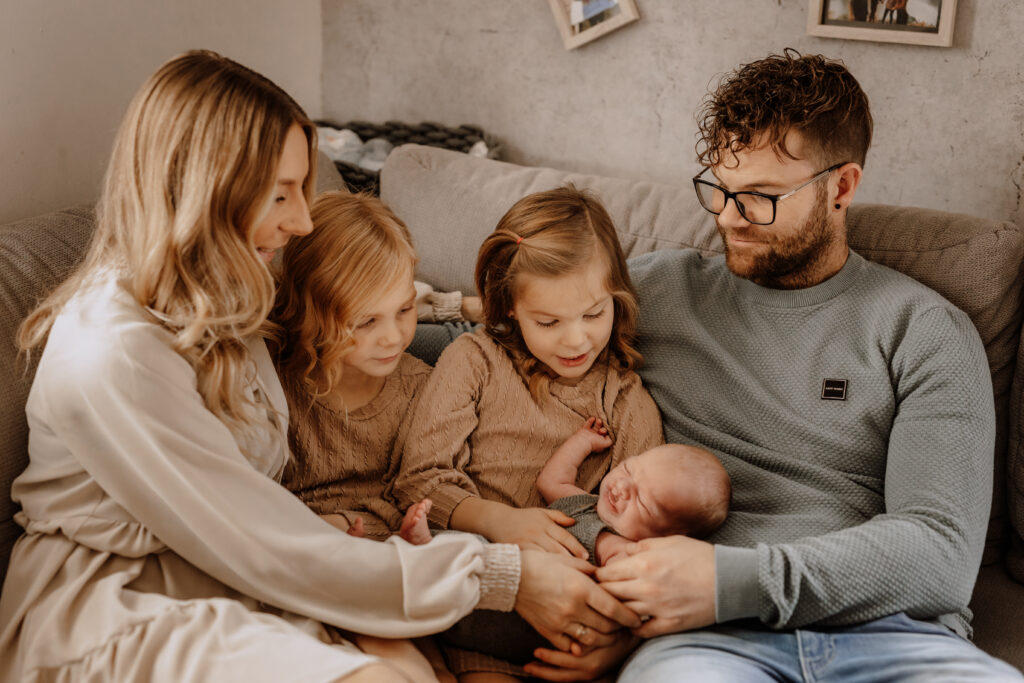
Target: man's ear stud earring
<point x="838" y="206"/>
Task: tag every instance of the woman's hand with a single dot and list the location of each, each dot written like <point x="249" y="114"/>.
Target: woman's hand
<point x="555" y="665"/>
<point x="558" y="598"/>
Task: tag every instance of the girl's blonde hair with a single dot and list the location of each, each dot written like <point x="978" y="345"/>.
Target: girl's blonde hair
<point x="359" y="249"/>
<point x="192" y="171"/>
<point x="551" y="234"/>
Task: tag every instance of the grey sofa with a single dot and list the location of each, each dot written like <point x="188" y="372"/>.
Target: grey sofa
<point x="451" y="201"/>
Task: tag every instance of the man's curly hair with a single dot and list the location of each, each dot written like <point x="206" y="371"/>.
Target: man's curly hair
<point x="761" y="102"/>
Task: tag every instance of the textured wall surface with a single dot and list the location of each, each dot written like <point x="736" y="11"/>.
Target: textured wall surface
<point x="949" y="122"/>
<point x="69" y="68"/>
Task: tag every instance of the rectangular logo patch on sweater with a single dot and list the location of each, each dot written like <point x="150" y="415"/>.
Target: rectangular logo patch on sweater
<point x="833" y="390"/>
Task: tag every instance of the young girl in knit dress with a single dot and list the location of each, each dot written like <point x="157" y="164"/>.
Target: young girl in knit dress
<point x="346" y="311"/>
<point x="557" y="348"/>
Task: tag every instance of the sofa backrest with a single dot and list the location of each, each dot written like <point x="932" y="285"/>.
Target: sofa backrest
<point x="36" y="254"/>
<point x="450" y="202"/>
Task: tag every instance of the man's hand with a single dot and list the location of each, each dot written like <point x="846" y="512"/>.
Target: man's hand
<point x="670" y="579"/>
<point x="555" y="665"/>
<point x="558" y="598"/>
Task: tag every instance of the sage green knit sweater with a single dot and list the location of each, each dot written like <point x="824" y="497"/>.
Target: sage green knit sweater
<point x="856" y="420"/>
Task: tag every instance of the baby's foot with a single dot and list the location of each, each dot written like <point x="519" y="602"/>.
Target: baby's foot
<point x="414" y="526"/>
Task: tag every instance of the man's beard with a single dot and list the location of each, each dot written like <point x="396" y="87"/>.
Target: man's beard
<point x="791" y="261"/>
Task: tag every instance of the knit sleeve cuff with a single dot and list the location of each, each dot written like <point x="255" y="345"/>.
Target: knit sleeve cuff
<point x="445" y="498"/>
<point x="447" y="306"/>
<point x="437" y="307"/>
<point x="499" y="581"/>
<point x="736" y="587"/>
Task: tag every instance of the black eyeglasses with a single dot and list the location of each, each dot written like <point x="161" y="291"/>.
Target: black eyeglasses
<point x="755" y="207"/>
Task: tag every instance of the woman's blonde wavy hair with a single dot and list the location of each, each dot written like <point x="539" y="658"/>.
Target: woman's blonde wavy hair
<point x="192" y="171"/>
<point x="358" y="251"/>
<point x="551" y="234"/>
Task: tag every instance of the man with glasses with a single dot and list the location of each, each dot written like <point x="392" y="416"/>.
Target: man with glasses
<point x="851" y="405"/>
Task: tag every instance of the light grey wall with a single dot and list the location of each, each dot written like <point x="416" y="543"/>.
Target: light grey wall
<point x="69" y="68"/>
<point x="949" y="122"/>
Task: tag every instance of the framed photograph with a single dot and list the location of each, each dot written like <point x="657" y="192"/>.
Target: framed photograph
<point x="917" y="22"/>
<point x="581" y="21"/>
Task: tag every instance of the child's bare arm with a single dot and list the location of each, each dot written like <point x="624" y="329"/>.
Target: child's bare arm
<point x="558" y="478"/>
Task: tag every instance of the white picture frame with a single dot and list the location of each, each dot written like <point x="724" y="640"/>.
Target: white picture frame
<point x="929" y="23"/>
<point x="581" y="21"/>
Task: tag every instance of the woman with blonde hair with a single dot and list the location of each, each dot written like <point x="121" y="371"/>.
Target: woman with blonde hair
<point x="158" y="543"/>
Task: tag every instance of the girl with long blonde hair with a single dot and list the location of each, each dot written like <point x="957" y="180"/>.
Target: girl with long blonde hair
<point x="158" y="543"/>
<point x="346" y="312"/>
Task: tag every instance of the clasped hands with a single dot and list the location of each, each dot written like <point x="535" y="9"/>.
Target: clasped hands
<point x="656" y="586"/>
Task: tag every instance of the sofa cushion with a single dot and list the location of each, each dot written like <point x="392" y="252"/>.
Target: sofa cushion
<point x="452" y="201"/>
<point x="35" y="255"/>
<point x="1015" y="471"/>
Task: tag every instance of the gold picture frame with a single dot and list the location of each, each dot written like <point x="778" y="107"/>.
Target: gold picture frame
<point x="581" y="21"/>
<point x="914" y="22"/>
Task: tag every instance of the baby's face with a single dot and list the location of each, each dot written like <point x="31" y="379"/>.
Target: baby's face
<point x="633" y="495"/>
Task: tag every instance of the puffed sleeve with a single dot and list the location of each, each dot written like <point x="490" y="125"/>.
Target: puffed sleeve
<point x="126" y="407"/>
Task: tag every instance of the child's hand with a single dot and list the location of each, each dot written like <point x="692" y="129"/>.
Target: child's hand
<point x="472" y="309"/>
<point x="415" y="529"/>
<point x="357" y="529"/>
<point x="536" y="528"/>
<point x="339" y="522"/>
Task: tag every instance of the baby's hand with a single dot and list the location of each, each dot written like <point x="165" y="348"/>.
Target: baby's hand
<point x="594" y="434"/>
<point x="415" y="529"/>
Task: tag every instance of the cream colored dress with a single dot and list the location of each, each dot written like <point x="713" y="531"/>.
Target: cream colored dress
<point x="159" y="546"/>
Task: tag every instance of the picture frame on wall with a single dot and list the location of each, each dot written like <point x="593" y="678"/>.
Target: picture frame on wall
<point x="581" y="21"/>
<point x="915" y="22"/>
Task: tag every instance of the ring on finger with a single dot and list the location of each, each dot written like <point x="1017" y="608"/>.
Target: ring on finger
<point x="580" y="631"/>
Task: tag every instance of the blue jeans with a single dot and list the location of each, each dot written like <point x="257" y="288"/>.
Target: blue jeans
<point x="894" y="648"/>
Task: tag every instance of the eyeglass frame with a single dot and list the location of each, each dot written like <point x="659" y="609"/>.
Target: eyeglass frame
<point x="775" y="198"/>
